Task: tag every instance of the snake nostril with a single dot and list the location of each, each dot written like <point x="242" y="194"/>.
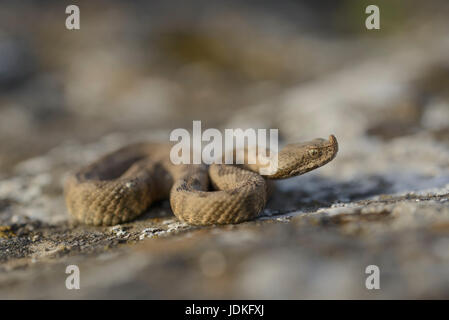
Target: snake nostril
<point x="333" y="142"/>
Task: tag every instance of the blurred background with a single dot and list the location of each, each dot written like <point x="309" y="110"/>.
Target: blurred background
<point x="162" y="64"/>
<point x="137" y="70"/>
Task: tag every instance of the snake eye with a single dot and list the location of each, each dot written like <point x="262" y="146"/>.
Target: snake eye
<point x="314" y="152"/>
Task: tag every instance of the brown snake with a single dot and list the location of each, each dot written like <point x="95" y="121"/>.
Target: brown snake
<point x="122" y="185"/>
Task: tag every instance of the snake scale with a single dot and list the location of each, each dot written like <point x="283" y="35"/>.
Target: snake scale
<point x="123" y="184"/>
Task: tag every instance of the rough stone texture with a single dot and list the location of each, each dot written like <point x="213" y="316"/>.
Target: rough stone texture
<point x="383" y="201"/>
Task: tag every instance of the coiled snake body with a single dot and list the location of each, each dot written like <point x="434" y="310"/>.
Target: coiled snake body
<point x="121" y="185"/>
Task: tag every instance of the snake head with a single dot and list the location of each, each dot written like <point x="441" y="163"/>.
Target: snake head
<point x="298" y="158"/>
